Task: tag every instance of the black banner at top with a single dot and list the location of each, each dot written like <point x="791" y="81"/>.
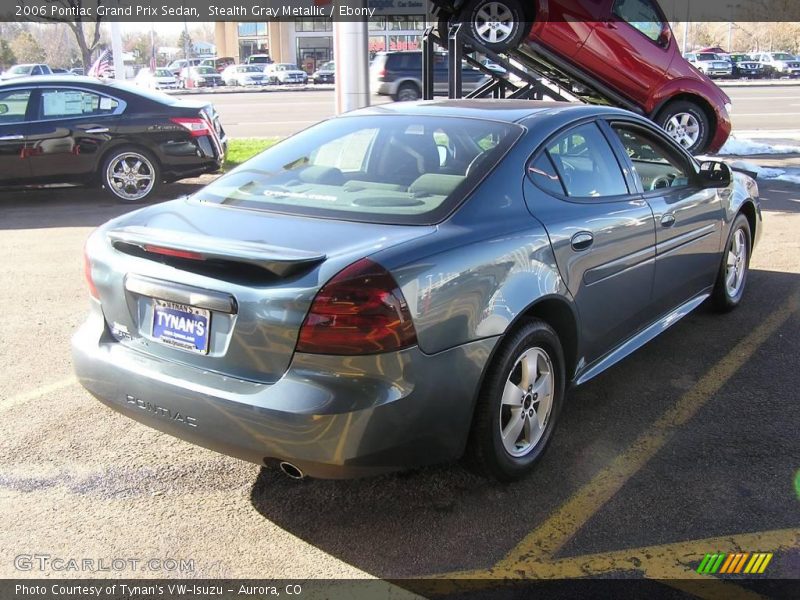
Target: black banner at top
<point x="356" y="10"/>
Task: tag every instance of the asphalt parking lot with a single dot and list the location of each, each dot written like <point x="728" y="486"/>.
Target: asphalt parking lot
<point x="688" y="447"/>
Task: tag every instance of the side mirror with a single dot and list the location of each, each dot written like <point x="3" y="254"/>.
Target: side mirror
<point x="715" y="174"/>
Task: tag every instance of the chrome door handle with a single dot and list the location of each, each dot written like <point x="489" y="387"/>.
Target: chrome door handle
<point x="11" y="138"/>
<point x="96" y="130"/>
<point x="668" y="220"/>
<point x="581" y="241"/>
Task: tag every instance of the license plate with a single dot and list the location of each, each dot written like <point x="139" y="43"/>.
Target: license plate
<point x="182" y="326"/>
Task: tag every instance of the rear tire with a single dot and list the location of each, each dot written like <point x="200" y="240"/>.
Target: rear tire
<point x="497" y="24"/>
<point x="519" y="403"/>
<point x="130" y="174"/>
<point x="687" y="124"/>
<point x="407" y="92"/>
<point x="732" y="277"/>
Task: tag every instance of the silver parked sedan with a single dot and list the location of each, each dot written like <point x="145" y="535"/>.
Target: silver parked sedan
<point x="406" y="283"/>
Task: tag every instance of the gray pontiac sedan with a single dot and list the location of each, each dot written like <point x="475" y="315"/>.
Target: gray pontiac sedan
<point x="409" y="283"/>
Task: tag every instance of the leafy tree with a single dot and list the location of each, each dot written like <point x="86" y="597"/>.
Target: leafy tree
<point x="7" y="57"/>
<point x="26" y="49"/>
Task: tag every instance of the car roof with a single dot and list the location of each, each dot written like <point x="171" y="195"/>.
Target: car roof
<point x="510" y="111"/>
<point x="51" y="79"/>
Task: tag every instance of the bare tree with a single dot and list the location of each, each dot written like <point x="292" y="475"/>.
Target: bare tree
<point x="87" y="36"/>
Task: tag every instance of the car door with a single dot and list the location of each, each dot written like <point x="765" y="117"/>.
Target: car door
<point x="688" y="217"/>
<point x="71" y="130"/>
<point x="602" y="233"/>
<point x="631" y="48"/>
<point x="14" y="107"/>
<point x="566" y="25"/>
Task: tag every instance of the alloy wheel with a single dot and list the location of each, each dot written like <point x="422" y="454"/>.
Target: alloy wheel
<point x="527" y="402"/>
<point x="736" y="263"/>
<point x="131" y="176"/>
<point x="494" y="22"/>
<point x="684" y="128"/>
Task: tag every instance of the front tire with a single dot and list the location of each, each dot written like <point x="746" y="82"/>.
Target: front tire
<point x="732" y="277"/>
<point x="687" y="124"/>
<point x="498" y="24"/>
<point x="131" y="174"/>
<point x="519" y="403"/>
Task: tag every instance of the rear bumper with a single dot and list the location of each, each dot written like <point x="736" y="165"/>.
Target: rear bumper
<point x="333" y="417"/>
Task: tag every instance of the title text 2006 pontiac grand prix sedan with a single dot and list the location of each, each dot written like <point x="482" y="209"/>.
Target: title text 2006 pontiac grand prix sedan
<point x="409" y="283"/>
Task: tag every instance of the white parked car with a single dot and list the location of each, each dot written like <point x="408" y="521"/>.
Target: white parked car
<point x="244" y="75"/>
<point x="161" y="79"/>
<point x="286" y="73"/>
<point x="783" y="64"/>
<point x="710" y="64"/>
<point x="26" y="71"/>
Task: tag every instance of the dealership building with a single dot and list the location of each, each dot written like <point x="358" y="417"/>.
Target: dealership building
<point x="396" y="25"/>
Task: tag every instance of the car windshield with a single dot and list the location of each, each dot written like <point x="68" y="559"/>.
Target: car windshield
<point x="205" y="70"/>
<point x="258" y="59"/>
<point x="250" y="69"/>
<point x="782" y="56"/>
<point x="285" y="67"/>
<point x="328" y="66"/>
<point x="385" y="169"/>
<point x="21" y="69"/>
<point x="163" y="73"/>
<point x="707" y="56"/>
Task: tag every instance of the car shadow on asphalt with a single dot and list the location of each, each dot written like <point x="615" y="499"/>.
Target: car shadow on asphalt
<point x="77" y="206"/>
<point x="446" y="518"/>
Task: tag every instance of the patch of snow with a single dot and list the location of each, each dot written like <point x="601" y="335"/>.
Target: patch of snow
<point x="792" y="176"/>
<point x="737" y="146"/>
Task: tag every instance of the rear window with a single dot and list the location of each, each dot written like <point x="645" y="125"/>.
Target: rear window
<point x="383" y="169"/>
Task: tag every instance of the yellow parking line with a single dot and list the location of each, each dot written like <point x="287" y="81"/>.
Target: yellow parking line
<point x="674" y="564"/>
<point x="547" y="539"/>
<point x="18" y="399"/>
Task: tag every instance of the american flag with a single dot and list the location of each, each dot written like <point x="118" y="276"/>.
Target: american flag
<point x="101" y="65"/>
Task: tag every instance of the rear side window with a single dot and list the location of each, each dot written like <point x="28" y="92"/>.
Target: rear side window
<point x="65" y="103"/>
<point x="13" y="106"/>
<point x="384" y="169"/>
<point x="544" y="174"/>
<point x="586" y="164"/>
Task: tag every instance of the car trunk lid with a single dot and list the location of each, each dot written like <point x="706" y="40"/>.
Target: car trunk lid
<point x="164" y="279"/>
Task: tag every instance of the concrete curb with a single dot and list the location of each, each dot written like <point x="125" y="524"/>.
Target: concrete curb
<point x="758" y="83"/>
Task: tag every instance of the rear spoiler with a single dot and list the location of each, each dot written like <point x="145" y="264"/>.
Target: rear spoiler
<point x="165" y="242"/>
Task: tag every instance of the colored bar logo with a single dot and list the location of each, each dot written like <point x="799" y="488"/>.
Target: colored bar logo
<point x="734" y="564"/>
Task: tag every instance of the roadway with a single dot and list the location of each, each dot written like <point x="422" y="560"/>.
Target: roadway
<point x="281" y="113"/>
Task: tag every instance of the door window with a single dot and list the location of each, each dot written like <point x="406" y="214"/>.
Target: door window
<point x="13" y="106"/>
<point x="642" y="15"/>
<point x="653" y="163"/>
<point x="67" y="103"/>
<point x="586" y="163"/>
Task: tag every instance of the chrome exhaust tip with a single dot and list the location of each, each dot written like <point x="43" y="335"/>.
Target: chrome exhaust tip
<point x="290" y="470"/>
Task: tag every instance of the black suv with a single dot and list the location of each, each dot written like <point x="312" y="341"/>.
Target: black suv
<point x="399" y="75"/>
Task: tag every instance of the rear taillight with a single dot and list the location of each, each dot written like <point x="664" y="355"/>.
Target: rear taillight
<point x="360" y="311"/>
<point x="196" y="126"/>
<point x="382" y="74"/>
<point x="87" y="271"/>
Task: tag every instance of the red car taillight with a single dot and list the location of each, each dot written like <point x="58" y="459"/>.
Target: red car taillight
<point x="196" y="126"/>
<point x="360" y="311"/>
<point x="87" y="271"/>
